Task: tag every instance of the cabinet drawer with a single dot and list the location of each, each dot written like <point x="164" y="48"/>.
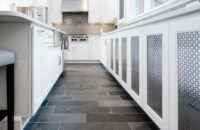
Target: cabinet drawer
<point x="49" y="37"/>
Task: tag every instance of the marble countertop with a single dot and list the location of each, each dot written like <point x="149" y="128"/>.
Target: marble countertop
<point x="17" y="17"/>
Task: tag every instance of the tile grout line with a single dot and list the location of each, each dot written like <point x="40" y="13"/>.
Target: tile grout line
<point x="130" y="126"/>
<point x="59" y="124"/>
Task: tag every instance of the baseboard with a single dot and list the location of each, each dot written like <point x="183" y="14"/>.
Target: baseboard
<point x="81" y="61"/>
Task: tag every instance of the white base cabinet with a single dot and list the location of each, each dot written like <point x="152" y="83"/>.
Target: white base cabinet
<point x="38" y="64"/>
<point x="47" y="65"/>
<point x="84" y="51"/>
<point x="161" y="61"/>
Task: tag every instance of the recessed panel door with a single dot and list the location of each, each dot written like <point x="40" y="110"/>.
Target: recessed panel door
<point x="189" y="80"/>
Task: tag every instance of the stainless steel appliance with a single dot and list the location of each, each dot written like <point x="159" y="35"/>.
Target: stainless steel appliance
<point x="79" y="38"/>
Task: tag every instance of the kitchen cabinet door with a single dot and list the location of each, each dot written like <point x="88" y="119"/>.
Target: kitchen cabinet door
<point x="100" y="11"/>
<point x="155" y="70"/>
<point x="47" y="47"/>
<point x="103" y="50"/>
<point x="94" y="11"/>
<point x="184" y="56"/>
<point x="37" y="68"/>
<point x="94" y="51"/>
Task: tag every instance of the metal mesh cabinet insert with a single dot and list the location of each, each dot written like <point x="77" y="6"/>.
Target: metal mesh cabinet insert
<point x="124" y="59"/>
<point x="135" y="64"/>
<point x="111" y="54"/>
<point x="117" y="56"/>
<point x="154" y="72"/>
<point x="189" y="80"/>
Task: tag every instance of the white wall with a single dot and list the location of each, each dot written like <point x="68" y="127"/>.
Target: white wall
<point x="5" y="4"/>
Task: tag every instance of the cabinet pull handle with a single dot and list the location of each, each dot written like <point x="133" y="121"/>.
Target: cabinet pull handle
<point x="59" y="60"/>
<point x="40" y="31"/>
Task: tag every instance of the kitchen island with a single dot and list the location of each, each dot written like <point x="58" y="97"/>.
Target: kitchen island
<point x="38" y="61"/>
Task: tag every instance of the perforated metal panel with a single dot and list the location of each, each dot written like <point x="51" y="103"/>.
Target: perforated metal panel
<point x="154" y="72"/>
<point x="107" y="53"/>
<point x="111" y="54"/>
<point x="124" y="59"/>
<point x="135" y="64"/>
<point x="117" y="56"/>
<point x="189" y="80"/>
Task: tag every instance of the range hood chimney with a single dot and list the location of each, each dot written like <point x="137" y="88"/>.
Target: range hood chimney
<point x="75" y="6"/>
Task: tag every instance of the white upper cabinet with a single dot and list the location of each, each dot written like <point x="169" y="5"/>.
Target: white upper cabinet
<point x="94" y="11"/>
<point x="102" y="11"/>
<point x="55" y="11"/>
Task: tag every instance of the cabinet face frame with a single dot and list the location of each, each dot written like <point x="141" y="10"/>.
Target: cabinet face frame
<point x="157" y="28"/>
<point x="176" y="26"/>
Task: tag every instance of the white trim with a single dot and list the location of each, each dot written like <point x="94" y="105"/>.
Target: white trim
<point x="153" y="16"/>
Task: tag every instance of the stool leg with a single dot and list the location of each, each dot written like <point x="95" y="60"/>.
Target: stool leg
<point x="10" y="95"/>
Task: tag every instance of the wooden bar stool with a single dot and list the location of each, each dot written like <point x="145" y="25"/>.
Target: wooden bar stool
<point x="8" y="59"/>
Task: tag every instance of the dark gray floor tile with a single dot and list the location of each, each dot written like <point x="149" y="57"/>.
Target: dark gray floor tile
<point x="89" y="93"/>
<point x="127" y="110"/>
<point x="143" y="126"/>
<point x="59" y="118"/>
<point x="73" y="103"/>
<point x="117" y="93"/>
<point x="117" y="103"/>
<point x="118" y="118"/>
<point x="79" y="110"/>
<point x="74" y="88"/>
<point x="58" y="92"/>
<point x="60" y="98"/>
<point x="95" y="126"/>
<point x="126" y="97"/>
<point x="95" y="97"/>
<point x="46" y="109"/>
<point x="42" y="126"/>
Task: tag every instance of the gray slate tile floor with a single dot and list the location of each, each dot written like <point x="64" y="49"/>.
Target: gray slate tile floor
<point x="87" y="97"/>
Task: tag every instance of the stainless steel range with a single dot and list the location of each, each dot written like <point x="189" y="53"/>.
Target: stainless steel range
<point x="79" y="38"/>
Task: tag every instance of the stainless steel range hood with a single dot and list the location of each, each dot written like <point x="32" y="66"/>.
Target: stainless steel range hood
<point x="75" y="6"/>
